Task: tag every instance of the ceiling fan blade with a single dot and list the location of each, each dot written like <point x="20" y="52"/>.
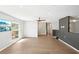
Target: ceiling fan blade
<point x="39" y="19"/>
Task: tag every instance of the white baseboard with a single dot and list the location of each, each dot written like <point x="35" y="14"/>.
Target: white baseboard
<point x="9" y="44"/>
<point x="68" y="45"/>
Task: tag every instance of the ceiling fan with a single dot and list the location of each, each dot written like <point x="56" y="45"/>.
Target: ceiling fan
<point x="39" y="19"/>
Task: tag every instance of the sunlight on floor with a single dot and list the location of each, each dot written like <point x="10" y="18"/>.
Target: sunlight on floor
<point x="21" y="40"/>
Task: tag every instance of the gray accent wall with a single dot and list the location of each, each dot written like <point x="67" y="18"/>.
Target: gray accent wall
<point x="65" y="35"/>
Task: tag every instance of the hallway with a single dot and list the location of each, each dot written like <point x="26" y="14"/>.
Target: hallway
<point x="40" y="45"/>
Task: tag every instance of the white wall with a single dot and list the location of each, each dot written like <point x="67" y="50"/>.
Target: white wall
<point x="31" y="29"/>
<point x="5" y="37"/>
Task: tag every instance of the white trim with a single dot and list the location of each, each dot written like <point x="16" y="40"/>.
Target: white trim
<point x="68" y="45"/>
<point x="9" y="44"/>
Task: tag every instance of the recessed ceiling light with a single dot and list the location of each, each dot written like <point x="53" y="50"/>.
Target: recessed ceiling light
<point x="74" y="20"/>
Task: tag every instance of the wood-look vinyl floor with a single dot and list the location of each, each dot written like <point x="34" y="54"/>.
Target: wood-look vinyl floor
<point x="40" y="45"/>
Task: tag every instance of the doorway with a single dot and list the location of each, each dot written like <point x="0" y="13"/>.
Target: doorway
<point x="15" y="31"/>
<point x="44" y="28"/>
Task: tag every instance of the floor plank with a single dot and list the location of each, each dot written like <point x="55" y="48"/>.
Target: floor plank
<point x="40" y="45"/>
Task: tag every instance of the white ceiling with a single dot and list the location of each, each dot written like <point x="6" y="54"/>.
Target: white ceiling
<point x="49" y="12"/>
<point x="32" y="12"/>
